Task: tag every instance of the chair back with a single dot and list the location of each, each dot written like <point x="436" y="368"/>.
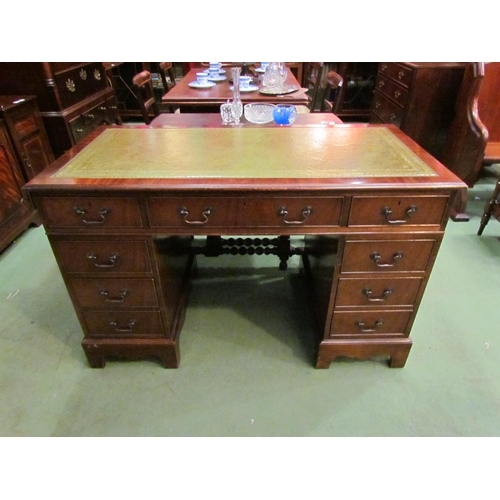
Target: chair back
<point x="143" y="88"/>
<point x="312" y="81"/>
<point x="333" y="93"/>
<point x="167" y="68"/>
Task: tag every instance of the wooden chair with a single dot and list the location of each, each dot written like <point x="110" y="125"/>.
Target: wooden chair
<point x="167" y="68"/>
<point x="467" y="137"/>
<point x="334" y="85"/>
<point x="143" y="88"/>
<point x="492" y="208"/>
<point x="312" y="81"/>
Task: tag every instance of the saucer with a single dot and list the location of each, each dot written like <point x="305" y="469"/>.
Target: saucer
<point x="250" y="88"/>
<point x="197" y="85"/>
<point x="260" y="70"/>
<point x="219" y="78"/>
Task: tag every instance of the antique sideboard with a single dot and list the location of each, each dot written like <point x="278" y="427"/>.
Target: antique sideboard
<point x="121" y="208"/>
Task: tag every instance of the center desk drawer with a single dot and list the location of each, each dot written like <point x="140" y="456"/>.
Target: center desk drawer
<point x="244" y="212"/>
<point x="397" y="210"/>
<point x="86" y="256"/>
<point x="91" y="212"/>
<point x="382" y="256"/>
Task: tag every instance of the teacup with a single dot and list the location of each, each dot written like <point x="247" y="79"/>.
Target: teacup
<point x="284" y="114"/>
<point x="213" y="71"/>
<point x="245" y="81"/>
<point x="202" y="78"/>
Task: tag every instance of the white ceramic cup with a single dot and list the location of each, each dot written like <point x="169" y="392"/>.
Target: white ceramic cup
<point x="213" y="70"/>
<point x="245" y="82"/>
<point x="202" y="78"/>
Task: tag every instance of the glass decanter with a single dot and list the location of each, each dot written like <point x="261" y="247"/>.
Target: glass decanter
<point x="237" y="105"/>
<point x="275" y="75"/>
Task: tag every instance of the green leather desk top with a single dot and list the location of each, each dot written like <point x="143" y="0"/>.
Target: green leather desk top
<point x="300" y="152"/>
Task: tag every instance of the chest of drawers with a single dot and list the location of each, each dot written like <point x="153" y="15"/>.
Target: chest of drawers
<point x="419" y="98"/>
<point x="73" y="98"/>
<point x="123" y="241"/>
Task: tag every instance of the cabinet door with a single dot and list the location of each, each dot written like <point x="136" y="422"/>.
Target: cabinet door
<point x="36" y="156"/>
<point x="11" y="200"/>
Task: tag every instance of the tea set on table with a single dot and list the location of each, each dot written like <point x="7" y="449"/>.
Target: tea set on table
<point x="274" y="75"/>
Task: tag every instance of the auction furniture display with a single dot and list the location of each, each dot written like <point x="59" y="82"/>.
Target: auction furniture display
<point x="122" y="207"/>
<point x="73" y="98"/>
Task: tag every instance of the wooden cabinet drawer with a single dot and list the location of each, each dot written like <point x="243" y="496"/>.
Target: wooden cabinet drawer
<point x="377" y="292"/>
<point x="114" y="292"/>
<point x="387" y="255"/>
<point x="388" y="111"/>
<point x="123" y="323"/>
<point x="392" y="90"/>
<point x="88" y="121"/>
<point x="370" y="323"/>
<point x="91" y="212"/>
<point x="397" y="72"/>
<point x="397" y="210"/>
<point x="85" y="256"/>
<point x="244" y="213"/>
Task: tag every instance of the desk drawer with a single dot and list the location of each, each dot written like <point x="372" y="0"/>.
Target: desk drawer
<point x="191" y="212"/>
<point x="114" y="292"/>
<point x="382" y="256"/>
<point x="377" y="292"/>
<point x="397" y="210"/>
<point x="244" y="212"/>
<point x="370" y="323"/>
<point x="123" y="323"/>
<point x="84" y="256"/>
<point x="91" y="212"/>
<point x="290" y="212"/>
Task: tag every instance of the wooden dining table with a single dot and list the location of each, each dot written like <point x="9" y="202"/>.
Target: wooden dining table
<point x="189" y="99"/>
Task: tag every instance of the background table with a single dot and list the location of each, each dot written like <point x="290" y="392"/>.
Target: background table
<point x="189" y="99"/>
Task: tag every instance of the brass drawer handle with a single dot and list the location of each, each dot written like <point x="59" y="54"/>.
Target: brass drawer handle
<point x="381" y="83"/>
<point x="128" y="328"/>
<point x="384" y="67"/>
<point x="376" y="257"/>
<point x="382" y="298"/>
<point x="397" y="94"/>
<point x="378" y="104"/>
<point x="392" y="117"/>
<point x="362" y="328"/>
<point x="120" y="298"/>
<point x="102" y="213"/>
<point x="401" y="75"/>
<point x="306" y="212"/>
<point x="387" y="212"/>
<point x="206" y="213"/>
<point x="113" y="257"/>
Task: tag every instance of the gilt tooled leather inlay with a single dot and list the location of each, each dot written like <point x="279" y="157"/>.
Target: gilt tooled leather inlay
<point x="245" y="153"/>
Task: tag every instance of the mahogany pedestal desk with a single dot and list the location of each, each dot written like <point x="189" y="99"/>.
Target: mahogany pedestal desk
<point x="121" y="209"/>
